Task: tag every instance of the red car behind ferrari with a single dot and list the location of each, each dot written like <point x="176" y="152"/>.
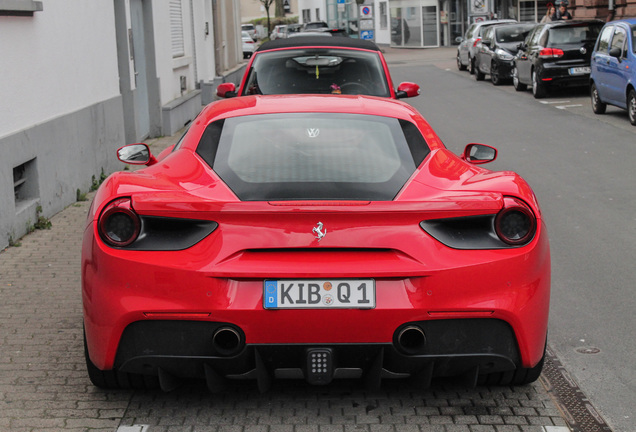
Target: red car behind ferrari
<point x="337" y="241"/>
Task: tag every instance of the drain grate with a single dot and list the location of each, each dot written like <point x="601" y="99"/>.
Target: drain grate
<point x="576" y="409"/>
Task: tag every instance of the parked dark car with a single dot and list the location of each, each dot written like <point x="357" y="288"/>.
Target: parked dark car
<point x="613" y="76"/>
<point x="496" y="51"/>
<point x="468" y="44"/>
<point x="556" y="54"/>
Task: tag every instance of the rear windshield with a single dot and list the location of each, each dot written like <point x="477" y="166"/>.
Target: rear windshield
<point x="308" y="156"/>
<point x="574" y="35"/>
<point x="317" y="71"/>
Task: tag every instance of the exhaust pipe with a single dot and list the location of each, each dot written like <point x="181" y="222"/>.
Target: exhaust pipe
<point x="227" y="341"/>
<point x="411" y="340"/>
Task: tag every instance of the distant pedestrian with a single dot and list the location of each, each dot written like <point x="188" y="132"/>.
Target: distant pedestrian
<point x="548" y="15"/>
<point x="562" y="13"/>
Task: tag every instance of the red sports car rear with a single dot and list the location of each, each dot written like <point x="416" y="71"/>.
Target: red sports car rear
<point x="338" y="241"/>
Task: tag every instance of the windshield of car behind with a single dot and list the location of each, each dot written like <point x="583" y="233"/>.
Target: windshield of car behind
<point x="574" y="34"/>
<point x="511" y="34"/>
<point x="317" y="71"/>
<point x="313" y="156"/>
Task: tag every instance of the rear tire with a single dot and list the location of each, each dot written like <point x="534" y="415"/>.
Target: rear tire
<point x="597" y="106"/>
<point x="538" y="88"/>
<point x="515" y="80"/>
<point x="471" y="63"/>
<point x="631" y="106"/>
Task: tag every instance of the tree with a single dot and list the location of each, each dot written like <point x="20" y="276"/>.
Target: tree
<point x="267" y="4"/>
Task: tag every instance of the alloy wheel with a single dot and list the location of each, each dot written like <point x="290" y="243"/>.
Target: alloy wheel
<point x="494" y="74"/>
<point x="631" y="106"/>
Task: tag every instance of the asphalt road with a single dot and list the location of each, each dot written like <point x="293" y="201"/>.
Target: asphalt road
<point x="581" y="167"/>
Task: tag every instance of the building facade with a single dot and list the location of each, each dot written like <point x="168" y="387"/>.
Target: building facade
<point x="80" y="79"/>
<point x="435" y="23"/>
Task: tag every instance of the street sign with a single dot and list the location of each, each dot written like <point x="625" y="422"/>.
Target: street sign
<point x="366" y="12"/>
<point x="367" y="34"/>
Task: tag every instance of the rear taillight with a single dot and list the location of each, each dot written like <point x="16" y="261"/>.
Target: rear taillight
<point x="515" y="224"/>
<point x="118" y="224"/>
<point x="551" y="53"/>
<point x="476" y="40"/>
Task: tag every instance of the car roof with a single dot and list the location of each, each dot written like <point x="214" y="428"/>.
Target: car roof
<point x="518" y="24"/>
<point x="298" y="103"/>
<point x="572" y="23"/>
<point x="489" y="22"/>
<point x="318" y="41"/>
<point x="629" y="21"/>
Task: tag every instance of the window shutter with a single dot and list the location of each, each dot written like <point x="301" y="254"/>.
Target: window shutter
<point x="176" y="28"/>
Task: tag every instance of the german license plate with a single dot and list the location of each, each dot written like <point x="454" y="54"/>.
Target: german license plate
<point x="579" y="70"/>
<point x="319" y="294"/>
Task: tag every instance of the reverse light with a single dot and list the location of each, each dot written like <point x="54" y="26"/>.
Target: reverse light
<point x="118" y="224"/>
<point x="551" y="53"/>
<point x="515" y="224"/>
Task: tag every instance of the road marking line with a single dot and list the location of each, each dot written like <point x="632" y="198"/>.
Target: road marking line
<point x="568" y="106"/>
<point x="137" y="428"/>
<point x="554" y="102"/>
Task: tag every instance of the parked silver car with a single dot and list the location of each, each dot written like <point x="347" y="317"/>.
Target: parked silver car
<point x="466" y="51"/>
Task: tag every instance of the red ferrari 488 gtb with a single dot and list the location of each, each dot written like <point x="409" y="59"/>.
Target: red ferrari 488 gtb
<point x="317" y="238"/>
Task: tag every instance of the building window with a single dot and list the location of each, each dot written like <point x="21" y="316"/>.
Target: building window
<point x="176" y="29"/>
<point x="317" y="14"/>
<point x="306" y="15"/>
<point x="383" y="16"/>
<point x="25" y="184"/>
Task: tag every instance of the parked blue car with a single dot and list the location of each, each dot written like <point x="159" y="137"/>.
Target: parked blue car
<point x="613" y="75"/>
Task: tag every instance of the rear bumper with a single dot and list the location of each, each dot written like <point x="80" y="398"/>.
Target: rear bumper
<point x="559" y="76"/>
<point x="189" y="349"/>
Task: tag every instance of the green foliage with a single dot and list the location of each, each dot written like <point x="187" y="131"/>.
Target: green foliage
<point x="14" y="243"/>
<point x="42" y="222"/>
<point x="95" y="182"/>
<point x="81" y="196"/>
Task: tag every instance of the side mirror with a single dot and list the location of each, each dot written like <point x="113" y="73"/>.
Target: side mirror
<point x="226" y="90"/>
<point x="407" y="90"/>
<point x="487" y="43"/>
<point x="479" y="153"/>
<point x="136" y="154"/>
<point x="616" y="52"/>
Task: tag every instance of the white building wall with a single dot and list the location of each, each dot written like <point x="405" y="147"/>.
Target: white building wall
<point x="382" y="35"/>
<point x="312" y="5"/>
<point x="61" y="60"/>
<point x="204" y="40"/>
<point x="169" y="69"/>
<point x="61" y="111"/>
